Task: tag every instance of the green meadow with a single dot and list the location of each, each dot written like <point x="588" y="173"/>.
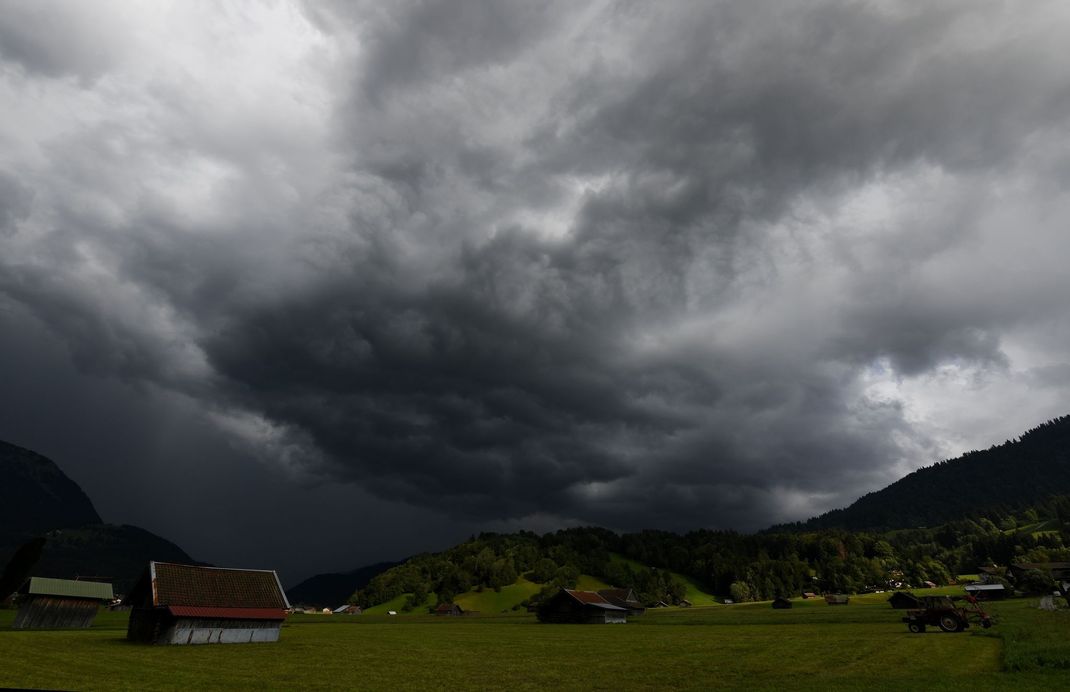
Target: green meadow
<point x="745" y="647"/>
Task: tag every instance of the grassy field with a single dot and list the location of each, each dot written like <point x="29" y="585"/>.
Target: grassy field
<point x="751" y="647"/>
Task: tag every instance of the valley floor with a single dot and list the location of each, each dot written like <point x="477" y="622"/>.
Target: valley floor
<point x="751" y="647"/>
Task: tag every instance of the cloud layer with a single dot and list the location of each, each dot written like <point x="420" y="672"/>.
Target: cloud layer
<point x="694" y="265"/>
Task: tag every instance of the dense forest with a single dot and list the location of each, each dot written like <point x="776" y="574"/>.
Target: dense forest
<point x="729" y="564"/>
<point x="1012" y="475"/>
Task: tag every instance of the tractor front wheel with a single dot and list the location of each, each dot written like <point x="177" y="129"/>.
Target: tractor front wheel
<point x="950" y="623"/>
<point x="916" y="627"/>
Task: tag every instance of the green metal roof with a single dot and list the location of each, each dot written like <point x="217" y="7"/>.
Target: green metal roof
<point x="44" y="586"/>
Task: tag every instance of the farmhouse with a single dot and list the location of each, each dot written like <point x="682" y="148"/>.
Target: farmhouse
<point x="623" y="598"/>
<point x="903" y="600"/>
<point x="184" y="604"/>
<point x="54" y="603"/>
<point x="836" y="599"/>
<point x="986" y="592"/>
<point x="781" y="603"/>
<point x="449" y="609"/>
<point x="586" y="607"/>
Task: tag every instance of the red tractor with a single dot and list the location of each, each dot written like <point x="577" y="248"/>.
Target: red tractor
<point x="942" y="612"/>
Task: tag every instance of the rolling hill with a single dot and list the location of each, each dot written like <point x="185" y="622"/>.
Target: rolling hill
<point x="38" y="499"/>
<point x="1012" y="475"/>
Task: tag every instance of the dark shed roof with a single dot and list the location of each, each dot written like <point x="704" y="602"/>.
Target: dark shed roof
<point x="170" y="584"/>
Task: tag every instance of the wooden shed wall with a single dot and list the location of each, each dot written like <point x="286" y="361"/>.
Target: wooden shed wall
<point x="52" y="612"/>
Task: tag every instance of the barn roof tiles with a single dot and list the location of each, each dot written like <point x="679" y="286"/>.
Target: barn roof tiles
<point x="215" y="587"/>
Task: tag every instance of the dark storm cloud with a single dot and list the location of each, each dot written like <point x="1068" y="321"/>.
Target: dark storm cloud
<point x="603" y="263"/>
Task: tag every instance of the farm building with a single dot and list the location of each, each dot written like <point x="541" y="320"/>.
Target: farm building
<point x="348" y="610"/>
<point x="184" y="604"/>
<point x="836" y="599"/>
<point x="623" y="598"/>
<point x="781" y="603"/>
<point x="902" y="600"/>
<point x="986" y="592"/>
<point x="809" y="594"/>
<point x="586" y="607"/>
<point x="54" y="603"/>
<point x="449" y="609"/>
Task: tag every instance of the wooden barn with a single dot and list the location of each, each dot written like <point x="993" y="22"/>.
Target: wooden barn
<point x="986" y="592"/>
<point x="185" y="604"/>
<point x="781" y="603"/>
<point x="348" y="610"/>
<point x="586" y="607"/>
<point x="449" y="609"/>
<point x="55" y="603"/>
<point x="623" y="598"/>
<point x="904" y="600"/>
<point x="836" y="599"/>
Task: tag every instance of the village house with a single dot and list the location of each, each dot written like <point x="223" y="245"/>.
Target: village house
<point x="587" y="607"/>
<point x="185" y="604"/>
<point x="54" y="603"/>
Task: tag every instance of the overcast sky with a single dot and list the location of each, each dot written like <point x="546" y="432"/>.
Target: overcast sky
<point x="311" y="286"/>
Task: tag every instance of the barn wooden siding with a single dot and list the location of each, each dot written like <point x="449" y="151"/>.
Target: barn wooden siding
<point x="53" y="612"/>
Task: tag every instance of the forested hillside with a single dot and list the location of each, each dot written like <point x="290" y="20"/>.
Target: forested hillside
<point x="38" y="499"/>
<point x="1012" y="475"/>
<point x="743" y="567"/>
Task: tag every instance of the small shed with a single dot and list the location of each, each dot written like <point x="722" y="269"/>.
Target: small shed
<point x="836" y="599"/>
<point x="781" y="603"/>
<point x="623" y="598"/>
<point x="986" y="592"/>
<point x="809" y="594"/>
<point x="903" y="600"/>
<point x="451" y="609"/>
<point x="586" y="607"/>
<point x="59" y="603"/>
<point x="187" y="604"/>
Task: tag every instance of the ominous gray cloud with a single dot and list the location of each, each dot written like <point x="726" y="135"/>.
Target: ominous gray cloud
<point x="712" y="264"/>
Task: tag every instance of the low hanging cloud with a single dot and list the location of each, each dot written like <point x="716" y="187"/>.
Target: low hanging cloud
<point x="704" y="265"/>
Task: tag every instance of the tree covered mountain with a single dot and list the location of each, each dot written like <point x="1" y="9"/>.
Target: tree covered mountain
<point x="1012" y="475"/>
<point x="38" y="499"/>
<point x="36" y="496"/>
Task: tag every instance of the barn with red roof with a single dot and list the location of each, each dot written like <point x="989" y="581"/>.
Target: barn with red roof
<point x="588" y="607"/>
<point x="188" y="604"/>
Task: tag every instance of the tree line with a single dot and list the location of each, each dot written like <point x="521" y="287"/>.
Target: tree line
<point x="732" y="565"/>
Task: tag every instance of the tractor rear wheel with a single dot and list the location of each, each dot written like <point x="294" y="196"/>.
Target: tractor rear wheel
<point x="916" y="627"/>
<point x="950" y="623"/>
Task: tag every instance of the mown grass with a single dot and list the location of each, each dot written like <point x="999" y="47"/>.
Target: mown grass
<point x="491" y="601"/>
<point x="741" y="647"/>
